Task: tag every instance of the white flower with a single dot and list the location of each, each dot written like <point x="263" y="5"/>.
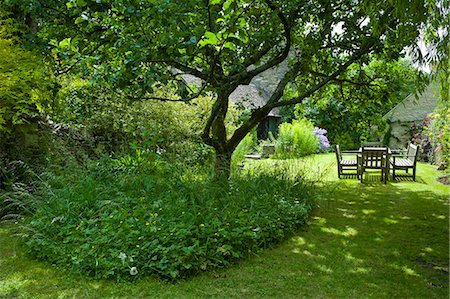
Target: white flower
<point x="122" y="256"/>
<point x="133" y="271"/>
<point x="159" y="150"/>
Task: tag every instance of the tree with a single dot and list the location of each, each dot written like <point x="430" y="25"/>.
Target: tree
<point x="351" y="108"/>
<point x="136" y="45"/>
<point x="433" y="50"/>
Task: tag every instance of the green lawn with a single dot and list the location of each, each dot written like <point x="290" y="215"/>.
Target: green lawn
<point x="363" y="241"/>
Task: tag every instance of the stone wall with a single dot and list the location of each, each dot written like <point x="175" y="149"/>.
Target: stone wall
<point x="399" y="136"/>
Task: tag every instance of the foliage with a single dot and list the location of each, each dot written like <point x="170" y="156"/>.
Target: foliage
<point x="440" y="136"/>
<point x="11" y="172"/>
<point x="420" y="136"/>
<point x="432" y="134"/>
<point x="24" y="85"/>
<point x="103" y="222"/>
<point x="436" y="37"/>
<point x="296" y="139"/>
<point x="141" y="161"/>
<point x="137" y="46"/>
<point x="115" y="125"/>
<point x="349" y="111"/>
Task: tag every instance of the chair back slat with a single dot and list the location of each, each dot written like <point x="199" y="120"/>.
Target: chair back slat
<point x="372" y="144"/>
<point x="412" y="153"/>
<point x="374" y="157"/>
<point x="338" y="153"/>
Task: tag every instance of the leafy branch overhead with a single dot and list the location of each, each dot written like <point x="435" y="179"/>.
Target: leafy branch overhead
<point x="137" y="45"/>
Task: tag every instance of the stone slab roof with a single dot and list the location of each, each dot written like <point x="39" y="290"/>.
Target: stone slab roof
<point x="415" y="109"/>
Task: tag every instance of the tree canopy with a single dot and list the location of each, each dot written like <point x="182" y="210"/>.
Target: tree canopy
<point x="351" y="108"/>
<point x="138" y="45"/>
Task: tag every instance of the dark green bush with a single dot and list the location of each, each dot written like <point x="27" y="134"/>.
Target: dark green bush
<point x="108" y="223"/>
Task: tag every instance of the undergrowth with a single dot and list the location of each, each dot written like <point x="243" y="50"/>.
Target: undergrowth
<point x="110" y="223"/>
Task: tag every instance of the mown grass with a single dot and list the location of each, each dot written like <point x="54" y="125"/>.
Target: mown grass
<point x="363" y="241"/>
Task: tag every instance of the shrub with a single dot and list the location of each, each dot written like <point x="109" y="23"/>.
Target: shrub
<point x="25" y="87"/>
<point x="24" y="83"/>
<point x="440" y="136"/>
<point x="296" y="139"/>
<point x="420" y="136"/>
<point x="433" y="135"/>
<point x="107" y="223"/>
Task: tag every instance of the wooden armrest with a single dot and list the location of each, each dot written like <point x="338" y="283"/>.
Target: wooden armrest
<point x="350" y="152"/>
<point x="398" y="151"/>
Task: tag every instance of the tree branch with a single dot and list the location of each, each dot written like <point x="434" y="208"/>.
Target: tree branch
<point x="366" y="49"/>
<point x="248" y="75"/>
<point x="338" y="80"/>
<point x="182" y="67"/>
<point x="257" y="113"/>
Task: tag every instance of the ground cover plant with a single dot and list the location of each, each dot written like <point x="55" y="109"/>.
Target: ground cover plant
<point x="110" y="223"/>
<point x="365" y="241"/>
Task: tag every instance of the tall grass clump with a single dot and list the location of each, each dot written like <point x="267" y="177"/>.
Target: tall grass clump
<point x="108" y="223"/>
<point x="245" y="147"/>
<point x="296" y="139"/>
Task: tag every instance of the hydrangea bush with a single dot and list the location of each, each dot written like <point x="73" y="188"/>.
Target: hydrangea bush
<point x="324" y="144"/>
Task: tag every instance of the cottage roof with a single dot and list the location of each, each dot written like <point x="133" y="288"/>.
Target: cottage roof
<point x="415" y="109"/>
<point x="261" y="87"/>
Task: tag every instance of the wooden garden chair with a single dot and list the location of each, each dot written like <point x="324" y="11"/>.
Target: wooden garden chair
<point x="346" y="164"/>
<point x="374" y="158"/>
<point x="405" y="162"/>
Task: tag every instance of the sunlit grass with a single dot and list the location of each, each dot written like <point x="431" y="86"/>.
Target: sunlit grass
<point x="363" y="241"/>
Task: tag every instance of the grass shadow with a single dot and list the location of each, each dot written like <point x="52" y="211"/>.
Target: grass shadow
<point x="366" y="240"/>
<point x="379" y="239"/>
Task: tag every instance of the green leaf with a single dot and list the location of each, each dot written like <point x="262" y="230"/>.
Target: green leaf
<point x="65" y="43"/>
<point x="242" y="22"/>
<point x="79" y="20"/>
<point x="227" y="4"/>
<point x="229" y="45"/>
<point x="214" y="2"/>
<point x="81" y="3"/>
<point x="209" y="38"/>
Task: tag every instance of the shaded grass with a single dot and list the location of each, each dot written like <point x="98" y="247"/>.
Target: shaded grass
<point x="363" y="241"/>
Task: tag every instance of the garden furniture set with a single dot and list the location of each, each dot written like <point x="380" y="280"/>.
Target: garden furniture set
<point x="378" y="158"/>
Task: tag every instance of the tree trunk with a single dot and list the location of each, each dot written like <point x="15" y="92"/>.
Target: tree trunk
<point x="222" y="167"/>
